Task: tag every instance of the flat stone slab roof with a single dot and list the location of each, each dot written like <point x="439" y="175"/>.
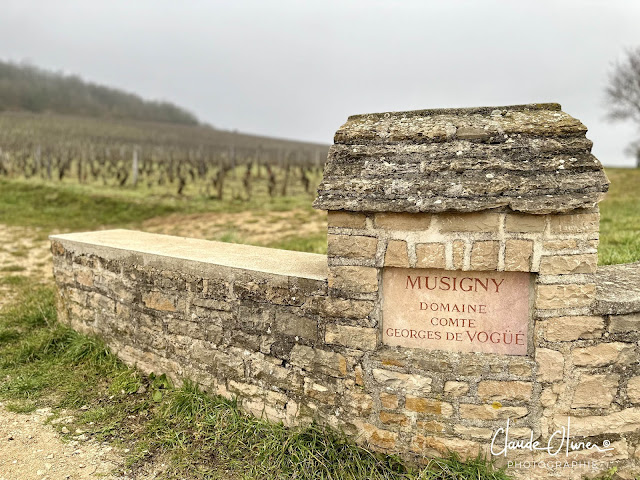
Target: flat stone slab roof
<point x="528" y="158"/>
<point x="122" y="243"/>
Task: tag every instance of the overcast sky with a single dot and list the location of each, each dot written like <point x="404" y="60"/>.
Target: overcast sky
<point x="297" y="69"/>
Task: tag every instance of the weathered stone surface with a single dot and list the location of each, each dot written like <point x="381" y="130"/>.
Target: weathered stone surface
<point x="524" y="369"/>
<point x="494" y="411"/>
<point x="294" y="323"/>
<point x="531" y="158"/>
<point x="430" y="255"/>
<point x="359" y="375"/>
<point x="402" y="381"/>
<point x="402" y="221"/>
<point x="548" y="397"/>
<point x="525" y="223"/>
<point x="565" y="296"/>
<point x="566" y="264"/>
<point x="618" y="289"/>
<point x="603" y="354"/>
<point x="456" y="389"/>
<point x="346" y="219"/>
<point x="428" y="405"/>
<point x="565" y="244"/>
<point x="358" y="403"/>
<point x="484" y="255"/>
<point x="396" y="254"/>
<point x="517" y="255"/>
<point x="595" y="391"/>
<point x="85" y="278"/>
<point x="388" y="400"/>
<point x="457" y="252"/>
<point x="390" y="418"/>
<point x="430" y="426"/>
<point x="568" y="329"/>
<point x="504" y="391"/>
<point x="441" y="446"/>
<point x="353" y="337"/>
<point x="351" y="246"/>
<point x="477" y="432"/>
<point x="345" y="308"/>
<point x="575" y="223"/>
<point x="265" y="370"/>
<point x="633" y="389"/>
<point x="470" y="222"/>
<point x="322" y="361"/>
<point x="550" y="365"/>
<point x="624" y="323"/>
<point x="159" y="301"/>
<point x="383" y="439"/>
<point x="624" y="421"/>
<point x="354" y="279"/>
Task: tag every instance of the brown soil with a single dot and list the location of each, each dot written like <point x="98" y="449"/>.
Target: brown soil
<point x="23" y="252"/>
<point x="30" y="449"/>
<point x="250" y="227"/>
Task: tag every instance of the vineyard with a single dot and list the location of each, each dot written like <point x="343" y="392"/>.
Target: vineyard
<point x="163" y="158"/>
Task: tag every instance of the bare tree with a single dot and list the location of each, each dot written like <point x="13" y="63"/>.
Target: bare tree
<point x="623" y="94"/>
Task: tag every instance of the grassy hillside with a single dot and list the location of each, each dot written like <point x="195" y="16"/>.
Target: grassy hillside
<point x="31" y="89"/>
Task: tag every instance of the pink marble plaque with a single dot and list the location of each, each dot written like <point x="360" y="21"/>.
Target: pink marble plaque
<point x="456" y="311"/>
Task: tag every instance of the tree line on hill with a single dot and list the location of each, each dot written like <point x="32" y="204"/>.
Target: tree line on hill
<point x="29" y="88"/>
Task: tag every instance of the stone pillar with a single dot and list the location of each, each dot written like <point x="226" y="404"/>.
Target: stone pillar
<point x="478" y="189"/>
<point x="444" y="192"/>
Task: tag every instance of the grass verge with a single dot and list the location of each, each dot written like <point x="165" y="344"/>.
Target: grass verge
<point x="74" y="206"/>
<point x="620" y="218"/>
<point x="44" y="363"/>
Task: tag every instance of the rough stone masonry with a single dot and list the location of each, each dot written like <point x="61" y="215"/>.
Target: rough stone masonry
<point x="464" y="199"/>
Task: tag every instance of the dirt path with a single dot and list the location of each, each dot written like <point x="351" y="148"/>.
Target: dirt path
<point x="24" y="252"/>
<point x="251" y="227"/>
<point x="30" y="449"/>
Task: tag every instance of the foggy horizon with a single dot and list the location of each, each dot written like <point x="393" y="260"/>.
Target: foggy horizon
<point x="297" y="70"/>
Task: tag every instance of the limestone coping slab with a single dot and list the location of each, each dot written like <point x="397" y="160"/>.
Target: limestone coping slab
<point x="121" y="244"/>
<point x="618" y="289"/>
<point x="528" y="158"/>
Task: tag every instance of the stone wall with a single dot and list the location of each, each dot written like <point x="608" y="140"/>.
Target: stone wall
<point x="293" y="351"/>
<point x="300" y="337"/>
<point x="583" y="350"/>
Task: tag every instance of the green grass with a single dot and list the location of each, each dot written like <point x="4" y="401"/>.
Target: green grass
<point x="68" y="207"/>
<point x="14" y="280"/>
<point x="199" y="436"/>
<point x="313" y="244"/>
<point x="13" y="268"/>
<point x="72" y="206"/>
<point x="620" y="218"/>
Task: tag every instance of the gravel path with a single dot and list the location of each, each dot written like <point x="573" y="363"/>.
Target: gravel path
<point x="31" y="449"/>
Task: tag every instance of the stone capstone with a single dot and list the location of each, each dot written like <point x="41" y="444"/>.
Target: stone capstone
<point x="530" y="158"/>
